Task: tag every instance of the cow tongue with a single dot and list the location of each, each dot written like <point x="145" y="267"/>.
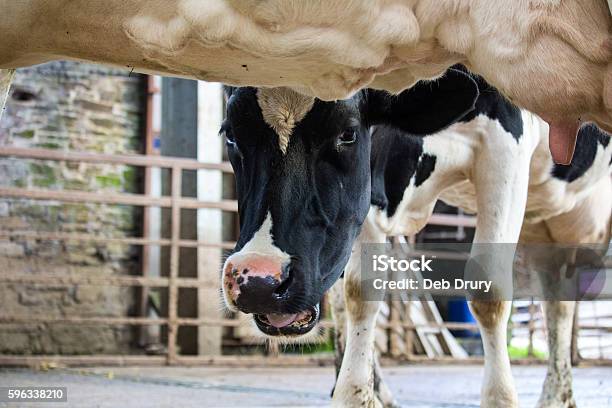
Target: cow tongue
<point x="281" y="320"/>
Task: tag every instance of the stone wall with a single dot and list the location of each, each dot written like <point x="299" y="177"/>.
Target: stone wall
<point x="74" y="107"/>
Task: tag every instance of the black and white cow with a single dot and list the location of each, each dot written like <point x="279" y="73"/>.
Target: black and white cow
<point x="304" y="169"/>
<point x="464" y="167"/>
<point x="303" y="180"/>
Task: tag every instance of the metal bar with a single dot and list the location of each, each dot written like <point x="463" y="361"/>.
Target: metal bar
<point x="225" y="322"/>
<point x="452" y="220"/>
<point x="177" y="177"/>
<point x="82" y="196"/>
<point x="125" y="159"/>
<point x="56" y="279"/>
<point x="111" y="321"/>
<point x="115" y="198"/>
<point x="117" y="321"/>
<point x="124" y="240"/>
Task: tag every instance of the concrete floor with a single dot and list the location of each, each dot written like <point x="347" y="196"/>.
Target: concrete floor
<point x="414" y="386"/>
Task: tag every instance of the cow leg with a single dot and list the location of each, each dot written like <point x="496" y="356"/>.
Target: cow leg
<point x="559" y="315"/>
<point x="590" y="221"/>
<point x="500" y="176"/>
<point x="6" y="76"/>
<point x="355" y="384"/>
<point x="557" y="389"/>
<point x="336" y="300"/>
<point x="498" y="388"/>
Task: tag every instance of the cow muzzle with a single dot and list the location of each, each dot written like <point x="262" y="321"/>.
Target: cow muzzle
<point x="264" y="286"/>
<point x="288" y="325"/>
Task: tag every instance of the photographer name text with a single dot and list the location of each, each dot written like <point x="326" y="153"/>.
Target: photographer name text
<point x="386" y="263"/>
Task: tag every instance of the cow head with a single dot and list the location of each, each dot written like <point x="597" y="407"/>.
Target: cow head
<point x="303" y="181"/>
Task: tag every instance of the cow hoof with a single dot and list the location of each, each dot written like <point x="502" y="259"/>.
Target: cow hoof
<point x="357" y="397"/>
<point x="385" y="399"/>
<point x="564" y="401"/>
<point x="361" y="403"/>
<point x="557" y="392"/>
<point x="387" y="404"/>
<point x="499" y="404"/>
<point x="500" y="400"/>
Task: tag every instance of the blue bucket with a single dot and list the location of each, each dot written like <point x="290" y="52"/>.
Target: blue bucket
<point x="459" y="311"/>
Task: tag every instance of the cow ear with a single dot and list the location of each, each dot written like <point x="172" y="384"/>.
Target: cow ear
<point x="427" y="107"/>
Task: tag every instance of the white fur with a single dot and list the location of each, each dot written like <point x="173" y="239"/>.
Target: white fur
<point x="552" y="57"/>
<point x="260" y="245"/>
<point x="354" y="386"/>
<point x="282" y="109"/>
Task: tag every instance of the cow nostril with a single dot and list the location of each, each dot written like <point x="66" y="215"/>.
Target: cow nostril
<point x="281" y="290"/>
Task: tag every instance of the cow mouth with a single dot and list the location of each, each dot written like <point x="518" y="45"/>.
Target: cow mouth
<point x="295" y="324"/>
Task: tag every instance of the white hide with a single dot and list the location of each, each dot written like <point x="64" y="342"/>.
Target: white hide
<point x="552" y="57"/>
<point x="260" y="245"/>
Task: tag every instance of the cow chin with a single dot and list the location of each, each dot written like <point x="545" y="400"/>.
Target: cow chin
<point x="292" y="326"/>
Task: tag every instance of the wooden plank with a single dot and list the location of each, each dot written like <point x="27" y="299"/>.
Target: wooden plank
<point x="82" y="196"/>
<point x="393" y="330"/>
<point x="95" y="280"/>
<point x="444" y="342"/>
<point x="124" y="159"/>
<point x="63" y="236"/>
<point x="117" y="321"/>
<point x="408" y="333"/>
<point x="74" y="196"/>
<point x="175" y="236"/>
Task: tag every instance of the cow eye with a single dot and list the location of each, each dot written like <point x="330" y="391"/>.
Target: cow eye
<point x="347" y="137"/>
